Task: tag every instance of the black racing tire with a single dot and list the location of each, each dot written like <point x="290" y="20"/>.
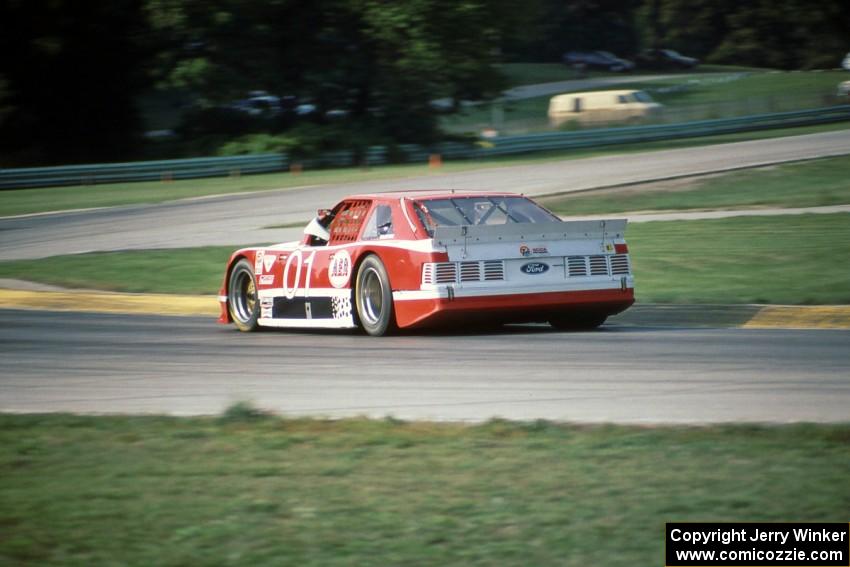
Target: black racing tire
<point x="577" y="322"/>
<point x="242" y="301"/>
<point x="373" y="297"/>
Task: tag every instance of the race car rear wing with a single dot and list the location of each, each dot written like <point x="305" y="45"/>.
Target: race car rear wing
<point x="550" y="238"/>
<point x="609" y="229"/>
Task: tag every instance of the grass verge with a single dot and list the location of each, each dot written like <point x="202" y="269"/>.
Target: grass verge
<point x="179" y="271"/>
<point x="29" y="201"/>
<point x="796" y="259"/>
<point x="253" y="489"/>
<point x="805" y="184"/>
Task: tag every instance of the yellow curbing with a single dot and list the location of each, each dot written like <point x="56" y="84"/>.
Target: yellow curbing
<point x="128" y="303"/>
<point x="800" y="317"/>
<point x="768" y="317"/>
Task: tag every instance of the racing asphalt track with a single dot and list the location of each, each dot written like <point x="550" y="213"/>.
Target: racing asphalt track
<point x="189" y="365"/>
<point x="239" y="219"/>
<point x="67" y="361"/>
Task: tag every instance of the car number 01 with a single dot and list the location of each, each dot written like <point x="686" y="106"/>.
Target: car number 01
<point x="290" y="293"/>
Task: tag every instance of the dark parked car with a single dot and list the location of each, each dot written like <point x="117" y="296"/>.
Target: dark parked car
<point x="665" y="59"/>
<point x="597" y="60"/>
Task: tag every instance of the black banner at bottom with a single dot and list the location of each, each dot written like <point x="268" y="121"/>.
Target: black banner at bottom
<point x="757" y="545"/>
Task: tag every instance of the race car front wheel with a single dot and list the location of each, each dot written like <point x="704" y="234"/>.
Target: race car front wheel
<point x="374" y="297"/>
<point x="242" y="297"/>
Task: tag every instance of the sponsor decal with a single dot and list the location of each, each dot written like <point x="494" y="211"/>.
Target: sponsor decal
<point x="339" y="269"/>
<point x="268" y="262"/>
<point x="341" y="307"/>
<point x="266" y="308"/>
<point x="534" y="268"/>
<point x="526" y="251"/>
<point x="267" y="280"/>
<point x="258" y="261"/>
<point x="609" y="248"/>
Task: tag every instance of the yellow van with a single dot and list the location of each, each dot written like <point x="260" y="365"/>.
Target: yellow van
<point x="601" y="106"/>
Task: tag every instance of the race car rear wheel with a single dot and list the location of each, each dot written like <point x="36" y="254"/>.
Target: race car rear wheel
<point x="578" y="322"/>
<point x="242" y="299"/>
<point x="373" y="297"/>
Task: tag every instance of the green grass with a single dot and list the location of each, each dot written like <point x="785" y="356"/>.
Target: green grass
<point x="804" y="184"/>
<point x="180" y="271"/>
<point x="778" y="85"/>
<point x="29" y="201"/>
<point x="797" y="259"/>
<point x="251" y="489"/>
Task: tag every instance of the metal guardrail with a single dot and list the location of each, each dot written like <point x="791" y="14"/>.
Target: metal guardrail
<point x="167" y="170"/>
<point x="635" y="134"/>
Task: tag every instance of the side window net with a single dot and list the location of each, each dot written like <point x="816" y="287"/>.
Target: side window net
<point x="348" y="220"/>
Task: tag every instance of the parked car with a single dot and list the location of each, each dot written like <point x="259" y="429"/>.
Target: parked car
<point x="664" y="59"/>
<point x="415" y="259"/>
<point x="259" y="104"/>
<point x="597" y="60"/>
<point x="601" y="107"/>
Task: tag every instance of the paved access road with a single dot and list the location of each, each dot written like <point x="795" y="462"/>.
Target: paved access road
<point x="596" y="83"/>
<point x="186" y="365"/>
<point x="238" y="219"/>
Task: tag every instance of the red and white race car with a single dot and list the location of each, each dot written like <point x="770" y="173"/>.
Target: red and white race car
<point x="416" y="259"/>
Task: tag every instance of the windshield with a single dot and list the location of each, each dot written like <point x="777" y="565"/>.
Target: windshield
<point x="641" y="96"/>
<point x="484" y="210"/>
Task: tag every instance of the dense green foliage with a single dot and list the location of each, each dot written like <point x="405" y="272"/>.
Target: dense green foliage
<point x="790" y="34"/>
<point x="68" y="77"/>
<point x="252" y="489"/>
<point x="381" y="62"/>
<point x="74" y="76"/>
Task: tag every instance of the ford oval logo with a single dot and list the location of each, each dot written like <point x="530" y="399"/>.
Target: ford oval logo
<point x="535" y="268"/>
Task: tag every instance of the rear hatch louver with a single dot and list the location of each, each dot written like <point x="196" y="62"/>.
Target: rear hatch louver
<point x="463" y="272"/>
<point x="494" y="270"/>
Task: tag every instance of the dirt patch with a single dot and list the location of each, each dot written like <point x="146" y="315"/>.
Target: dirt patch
<point x="9" y="283"/>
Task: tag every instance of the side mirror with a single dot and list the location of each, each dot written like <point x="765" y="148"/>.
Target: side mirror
<point x="322" y="214"/>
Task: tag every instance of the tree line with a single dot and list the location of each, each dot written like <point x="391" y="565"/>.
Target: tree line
<point x="72" y="74"/>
